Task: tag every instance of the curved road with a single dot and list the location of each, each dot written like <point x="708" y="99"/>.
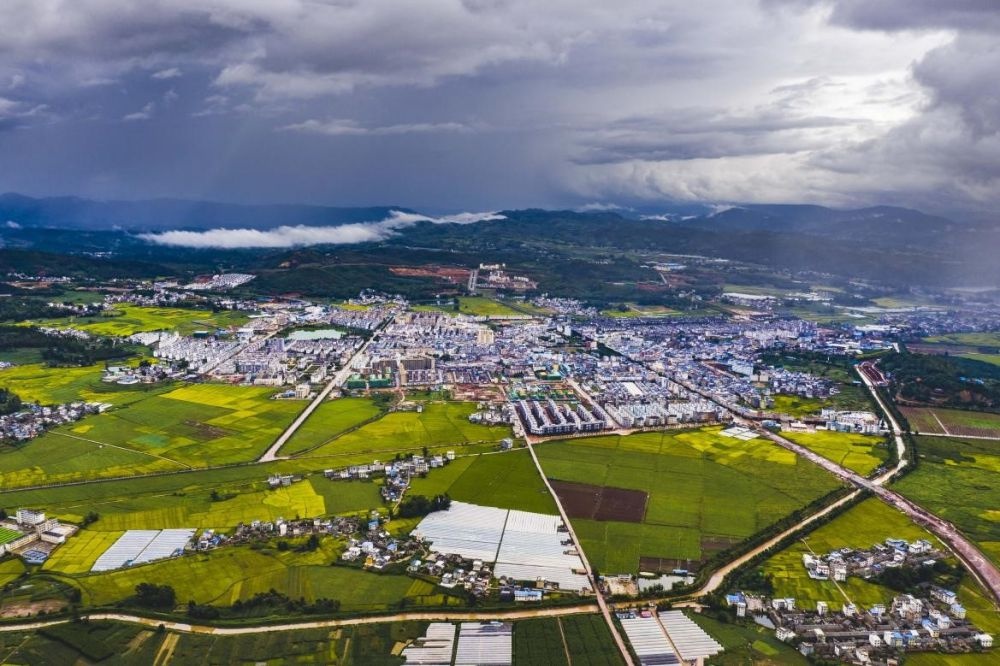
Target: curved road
<point x="432" y="616"/>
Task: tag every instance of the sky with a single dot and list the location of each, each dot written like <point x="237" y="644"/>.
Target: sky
<point x="448" y="105"/>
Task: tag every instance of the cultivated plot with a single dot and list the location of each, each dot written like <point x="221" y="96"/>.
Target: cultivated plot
<point x="953" y="422"/>
<point x="859" y="453"/>
<point x="959" y="480"/>
<point x="440" y="425"/>
<point x="125" y="320"/>
<point x="705" y="492"/>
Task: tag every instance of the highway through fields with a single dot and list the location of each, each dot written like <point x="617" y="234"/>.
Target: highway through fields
<point x="338" y="380"/>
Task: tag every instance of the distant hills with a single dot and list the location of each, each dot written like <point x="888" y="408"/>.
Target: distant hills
<point x="889" y="244"/>
<point x="161" y="214"/>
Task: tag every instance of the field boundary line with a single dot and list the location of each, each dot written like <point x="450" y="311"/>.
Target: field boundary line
<point x="940" y="422"/>
<point x="562" y="633"/>
<point x="122" y="448"/>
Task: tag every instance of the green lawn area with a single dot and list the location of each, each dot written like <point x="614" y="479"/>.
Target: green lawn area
<point x="197" y="425"/>
<point x="507" y="480"/>
<point x="859" y="453"/>
<point x="126" y="320"/>
<point x="239" y="572"/>
<point x="440" y="426"/>
<point x="328" y="421"/>
<point x="634" y="311"/>
<point x="477" y="306"/>
<point x="705" y="491"/>
<point x="959" y="480"/>
<point x="862" y="526"/>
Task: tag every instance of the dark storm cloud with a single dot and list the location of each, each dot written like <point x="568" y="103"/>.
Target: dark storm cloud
<point x="487" y="104"/>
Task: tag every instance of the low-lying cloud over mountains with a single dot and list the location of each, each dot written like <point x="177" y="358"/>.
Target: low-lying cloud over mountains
<point x="302" y="235"/>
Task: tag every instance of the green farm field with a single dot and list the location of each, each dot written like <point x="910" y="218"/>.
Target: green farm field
<point x="10" y="569"/>
<point x="125" y="320"/>
<point x="794" y="405"/>
<point x="747" y="644"/>
<point x="329" y="421"/>
<point x="587" y="642"/>
<point x="955" y="422"/>
<point x="229" y="574"/>
<point x="185" y="500"/>
<point x="980" y="339"/>
<point x="477" y="306"/>
<point x="959" y="480"/>
<point x="705" y="491"/>
<point x="45" y="385"/>
<point x="198" y="425"/>
<point x="440" y="426"/>
<point x="345" y="646"/>
<point x="859" y="453"/>
<point x="507" y="480"/>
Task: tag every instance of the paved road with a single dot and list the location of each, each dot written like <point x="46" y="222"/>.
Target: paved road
<point x="338" y="380"/>
<point x="431" y="616"/>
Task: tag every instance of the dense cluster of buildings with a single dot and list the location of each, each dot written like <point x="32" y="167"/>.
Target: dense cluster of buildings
<point x="32" y="535"/>
<point x="876" y="635"/>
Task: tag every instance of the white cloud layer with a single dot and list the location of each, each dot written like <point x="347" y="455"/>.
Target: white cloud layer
<point x="302" y="235"/>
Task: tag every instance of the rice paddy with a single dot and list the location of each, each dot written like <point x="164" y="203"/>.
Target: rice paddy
<point x="330" y="420"/>
<point x="226" y="575"/>
<point x="859" y="453"/>
<point x="126" y="320"/>
<point x="47" y="386"/>
<point x="705" y="492"/>
<point x="862" y="526"/>
<point x="506" y="480"/>
<point x="439" y="426"/>
<point x="161" y="430"/>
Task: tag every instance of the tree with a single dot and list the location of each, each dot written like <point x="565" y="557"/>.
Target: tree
<point x="150" y="595"/>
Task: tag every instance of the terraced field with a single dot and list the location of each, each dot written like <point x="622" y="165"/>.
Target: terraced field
<point x="705" y="492"/>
